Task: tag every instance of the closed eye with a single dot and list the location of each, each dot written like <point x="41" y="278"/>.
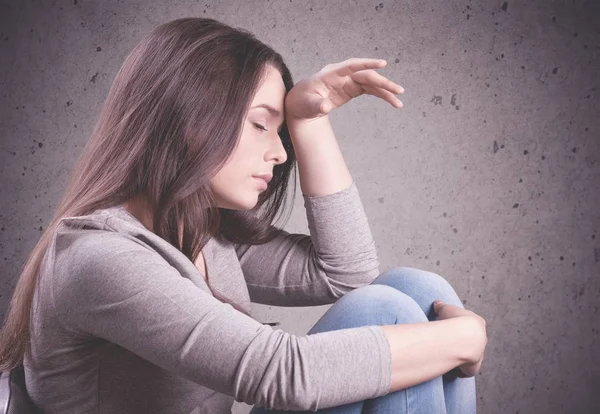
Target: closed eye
<point x="259" y="126"/>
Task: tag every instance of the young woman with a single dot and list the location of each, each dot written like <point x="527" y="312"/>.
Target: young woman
<point x="137" y="297"/>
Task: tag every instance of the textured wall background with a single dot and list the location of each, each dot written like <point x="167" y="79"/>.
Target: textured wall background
<point x="489" y="175"/>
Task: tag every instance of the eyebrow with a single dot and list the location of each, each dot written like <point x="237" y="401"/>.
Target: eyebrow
<point x="272" y="110"/>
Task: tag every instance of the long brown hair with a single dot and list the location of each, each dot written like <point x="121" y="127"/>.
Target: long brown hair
<point x="172" y="118"/>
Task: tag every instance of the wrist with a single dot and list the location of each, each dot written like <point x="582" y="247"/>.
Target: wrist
<point x="294" y="124"/>
<point x="471" y="334"/>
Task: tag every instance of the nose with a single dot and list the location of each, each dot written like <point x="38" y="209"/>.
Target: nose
<point x="277" y="151"/>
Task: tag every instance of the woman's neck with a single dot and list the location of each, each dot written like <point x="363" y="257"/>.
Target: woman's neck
<point x="140" y="209"/>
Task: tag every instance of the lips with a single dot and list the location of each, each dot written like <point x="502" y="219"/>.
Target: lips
<point x="262" y="182"/>
<point x="266" y="177"/>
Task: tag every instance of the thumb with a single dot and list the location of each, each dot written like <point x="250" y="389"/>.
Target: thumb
<point x="325" y="106"/>
<point x="437" y="304"/>
<point x="314" y="106"/>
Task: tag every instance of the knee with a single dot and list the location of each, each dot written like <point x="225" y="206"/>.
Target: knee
<point x="411" y="279"/>
<point x="413" y="274"/>
<point x="383" y="299"/>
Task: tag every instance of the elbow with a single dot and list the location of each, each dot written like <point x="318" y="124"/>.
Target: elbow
<point x="372" y="274"/>
<point x="340" y="284"/>
<point x="366" y="267"/>
<point x="363" y="273"/>
<point x="367" y="277"/>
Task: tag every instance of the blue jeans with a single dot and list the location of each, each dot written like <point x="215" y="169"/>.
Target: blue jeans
<point x="399" y="295"/>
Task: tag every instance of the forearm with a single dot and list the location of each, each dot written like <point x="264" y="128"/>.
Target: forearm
<point x="321" y="165"/>
<point x="425" y="350"/>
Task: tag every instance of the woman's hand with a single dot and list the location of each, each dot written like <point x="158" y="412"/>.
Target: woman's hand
<point x="446" y="311"/>
<point x="336" y="84"/>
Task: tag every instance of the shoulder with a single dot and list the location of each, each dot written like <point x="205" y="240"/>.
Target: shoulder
<point x="93" y="244"/>
<point x="88" y="253"/>
<point x="100" y="236"/>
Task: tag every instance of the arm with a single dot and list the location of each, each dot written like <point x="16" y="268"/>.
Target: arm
<point x="339" y="255"/>
<point x="301" y="270"/>
<point x="425" y="350"/>
<point x="420" y="351"/>
<point x="108" y="286"/>
<point x="321" y="165"/>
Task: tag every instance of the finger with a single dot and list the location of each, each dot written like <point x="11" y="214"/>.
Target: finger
<point x="317" y="104"/>
<point x="353" y="89"/>
<point x="326" y="106"/>
<point x="352" y="65"/>
<point x="374" y="78"/>
<point x="383" y="94"/>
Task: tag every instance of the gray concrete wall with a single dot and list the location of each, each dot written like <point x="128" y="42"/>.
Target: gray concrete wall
<point x="488" y="176"/>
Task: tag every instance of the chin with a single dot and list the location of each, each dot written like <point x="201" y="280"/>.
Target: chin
<point x="238" y="203"/>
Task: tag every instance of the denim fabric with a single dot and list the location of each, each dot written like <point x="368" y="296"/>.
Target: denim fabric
<point x="399" y="295"/>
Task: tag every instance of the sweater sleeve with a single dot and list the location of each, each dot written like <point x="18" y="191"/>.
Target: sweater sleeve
<point x="296" y="269"/>
<point x="108" y="286"/>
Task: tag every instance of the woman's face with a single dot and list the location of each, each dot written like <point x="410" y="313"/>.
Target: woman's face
<point x="258" y="150"/>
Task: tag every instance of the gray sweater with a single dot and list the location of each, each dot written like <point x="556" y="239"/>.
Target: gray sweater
<point x="124" y="323"/>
